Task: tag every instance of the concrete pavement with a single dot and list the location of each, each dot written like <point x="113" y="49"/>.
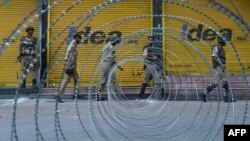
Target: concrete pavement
<point x="139" y="120"/>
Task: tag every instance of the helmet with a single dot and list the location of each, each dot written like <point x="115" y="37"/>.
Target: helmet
<point x="222" y="39"/>
<point x="77" y="35"/>
<point x="151" y="36"/>
<point x="114" y="40"/>
<point x="30" y="28"/>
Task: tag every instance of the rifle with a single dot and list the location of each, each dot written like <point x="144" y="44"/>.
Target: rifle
<point x="18" y="59"/>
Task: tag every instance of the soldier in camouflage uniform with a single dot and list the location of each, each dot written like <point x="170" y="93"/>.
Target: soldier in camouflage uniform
<point x="70" y="66"/>
<point x="108" y="60"/>
<point x="149" y="55"/>
<point x="28" y="54"/>
<point x="219" y="71"/>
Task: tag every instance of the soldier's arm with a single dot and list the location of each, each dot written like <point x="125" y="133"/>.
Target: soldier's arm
<point x="68" y="50"/>
<point x="152" y="57"/>
<point x="215" y="59"/>
<point x="18" y="59"/>
<point x="20" y="51"/>
<point x="119" y="67"/>
<point x="111" y="61"/>
<point x="20" y="47"/>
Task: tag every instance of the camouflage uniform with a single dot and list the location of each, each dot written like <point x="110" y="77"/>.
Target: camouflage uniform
<point x="219" y="71"/>
<point x="70" y="67"/>
<point x="28" y="55"/>
<point x="108" y="60"/>
<point x="148" y="51"/>
<point x="219" y="74"/>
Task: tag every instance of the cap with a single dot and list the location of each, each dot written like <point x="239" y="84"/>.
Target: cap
<point x="222" y="39"/>
<point x="30" y="28"/>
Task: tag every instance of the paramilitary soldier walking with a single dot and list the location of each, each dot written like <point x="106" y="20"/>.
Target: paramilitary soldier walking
<point x="70" y="66"/>
<point x="108" y="60"/>
<point x="150" y="57"/>
<point x="219" y="71"/>
<point x="28" y="54"/>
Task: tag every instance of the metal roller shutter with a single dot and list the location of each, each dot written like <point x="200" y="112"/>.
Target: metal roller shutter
<point x="11" y="14"/>
<point x="203" y="13"/>
<point x="114" y="12"/>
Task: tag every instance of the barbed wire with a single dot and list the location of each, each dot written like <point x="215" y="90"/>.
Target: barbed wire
<point x="116" y="115"/>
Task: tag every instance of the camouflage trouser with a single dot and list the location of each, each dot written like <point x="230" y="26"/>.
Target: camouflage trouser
<point x="151" y="69"/>
<point x="219" y="79"/>
<point x="66" y="80"/>
<point x="105" y="70"/>
<point x="26" y="62"/>
<point x="219" y="75"/>
<point x="147" y="75"/>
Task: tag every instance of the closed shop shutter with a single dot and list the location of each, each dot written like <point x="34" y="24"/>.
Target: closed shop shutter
<point x="90" y="48"/>
<point x="195" y="11"/>
<point x="11" y="14"/>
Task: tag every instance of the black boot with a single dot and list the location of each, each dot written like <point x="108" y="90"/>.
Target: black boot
<point x="59" y="99"/>
<point x="162" y="94"/>
<point x="227" y="99"/>
<point x="23" y="85"/>
<point x="34" y="83"/>
<point x="75" y="96"/>
<point x="143" y="88"/>
<point x="207" y="90"/>
<point x="99" y="96"/>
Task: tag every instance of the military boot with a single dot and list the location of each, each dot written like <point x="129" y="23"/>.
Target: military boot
<point x="207" y="90"/>
<point x="23" y="85"/>
<point x="34" y="83"/>
<point x="59" y="99"/>
<point x="143" y="88"/>
<point x="99" y="94"/>
<point x="227" y="98"/>
<point x="75" y="96"/>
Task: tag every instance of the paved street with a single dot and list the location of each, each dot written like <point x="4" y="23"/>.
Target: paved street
<point x="137" y="120"/>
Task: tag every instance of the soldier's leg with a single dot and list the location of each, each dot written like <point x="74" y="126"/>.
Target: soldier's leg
<point x="102" y="80"/>
<point x="158" y="82"/>
<point x="142" y="91"/>
<point x="65" y="81"/>
<point x="226" y="88"/>
<point x="210" y="88"/>
<point x="34" y="75"/>
<point x="100" y="92"/>
<point x="222" y="79"/>
<point x="226" y="95"/>
<point x="216" y="79"/>
<point x="116" y="86"/>
<point x="147" y="77"/>
<point x="75" y="78"/>
<point x="24" y="72"/>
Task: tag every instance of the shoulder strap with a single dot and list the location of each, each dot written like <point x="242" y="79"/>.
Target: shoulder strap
<point x="22" y="38"/>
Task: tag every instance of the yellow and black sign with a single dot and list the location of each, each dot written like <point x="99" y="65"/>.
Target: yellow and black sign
<point x="118" y="18"/>
<point x="190" y="35"/>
